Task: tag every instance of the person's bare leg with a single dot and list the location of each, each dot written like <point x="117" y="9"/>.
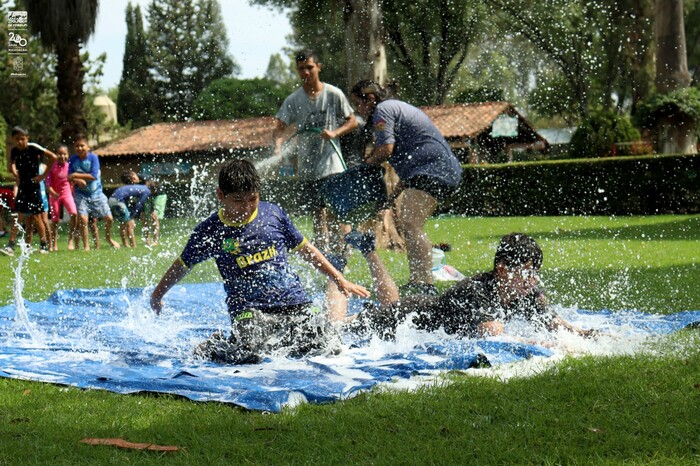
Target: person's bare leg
<point x="417" y="207"/>
<point x="108" y="231"/>
<point x="336" y="302"/>
<point x="54" y="236"/>
<point x="319" y="218"/>
<point x="387" y="291"/>
<point x="83" y="229"/>
<point x="73" y="233"/>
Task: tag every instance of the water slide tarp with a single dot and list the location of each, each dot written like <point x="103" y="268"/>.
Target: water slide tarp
<point x="109" y="339"/>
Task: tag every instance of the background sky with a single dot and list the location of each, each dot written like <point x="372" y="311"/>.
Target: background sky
<point x="254" y="33"/>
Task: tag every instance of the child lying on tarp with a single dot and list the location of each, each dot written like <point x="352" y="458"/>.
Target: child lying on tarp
<point x="474" y="307"/>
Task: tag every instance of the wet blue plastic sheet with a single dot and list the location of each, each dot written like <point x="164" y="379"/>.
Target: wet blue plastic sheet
<point x="109" y="339"/>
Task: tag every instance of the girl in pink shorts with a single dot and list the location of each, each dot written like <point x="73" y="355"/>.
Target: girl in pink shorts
<point x="61" y="194"/>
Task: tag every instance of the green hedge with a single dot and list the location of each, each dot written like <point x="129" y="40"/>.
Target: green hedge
<point x="638" y="185"/>
<point x="609" y="186"/>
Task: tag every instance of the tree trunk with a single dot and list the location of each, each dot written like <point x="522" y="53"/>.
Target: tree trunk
<point x="673" y="134"/>
<point x="671" y="59"/>
<point x="364" y="42"/>
<point x="69" y="82"/>
<point x="366" y="59"/>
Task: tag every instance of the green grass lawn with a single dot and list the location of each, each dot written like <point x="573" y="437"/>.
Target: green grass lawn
<point x="642" y="409"/>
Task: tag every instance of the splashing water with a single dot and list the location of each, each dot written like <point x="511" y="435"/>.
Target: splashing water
<point x="21" y="313"/>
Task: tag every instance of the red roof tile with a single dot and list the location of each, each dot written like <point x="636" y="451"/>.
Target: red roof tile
<point x="453" y="121"/>
<point x="194" y="136"/>
<point x="466" y="120"/>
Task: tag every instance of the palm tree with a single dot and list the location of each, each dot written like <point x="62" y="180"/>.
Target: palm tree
<point x="63" y="25"/>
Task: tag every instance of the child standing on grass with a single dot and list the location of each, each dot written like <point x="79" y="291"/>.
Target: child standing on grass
<point x="61" y="195"/>
<point x="250" y="241"/>
<point x="84" y="173"/>
<point x="26" y="159"/>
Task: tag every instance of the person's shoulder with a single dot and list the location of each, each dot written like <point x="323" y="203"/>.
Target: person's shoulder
<point x="332" y="89"/>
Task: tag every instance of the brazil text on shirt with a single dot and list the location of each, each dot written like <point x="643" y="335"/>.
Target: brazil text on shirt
<point x="244" y="261"/>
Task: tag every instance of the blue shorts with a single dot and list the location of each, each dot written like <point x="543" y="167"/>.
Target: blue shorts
<point x="120" y="211"/>
<point x="95" y="205"/>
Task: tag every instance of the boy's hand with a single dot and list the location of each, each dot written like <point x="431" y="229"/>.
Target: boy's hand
<point x="347" y="288"/>
<point x="80" y="183"/>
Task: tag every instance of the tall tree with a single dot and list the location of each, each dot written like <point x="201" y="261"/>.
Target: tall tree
<point x="188" y="46"/>
<point x="63" y="25"/>
<point x="365" y="53"/>
<point x="134" y="101"/>
<point x="429" y="42"/>
<point x="674" y="131"/>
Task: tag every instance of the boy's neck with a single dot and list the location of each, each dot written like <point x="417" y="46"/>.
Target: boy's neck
<point x="313" y="89"/>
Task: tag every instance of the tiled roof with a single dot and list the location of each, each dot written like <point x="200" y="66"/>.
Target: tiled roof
<point x="453" y="121"/>
<point x="194" y="136"/>
<point x="466" y="120"/>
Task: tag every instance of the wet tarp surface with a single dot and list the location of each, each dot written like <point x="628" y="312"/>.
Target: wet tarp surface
<point x="109" y="339"/>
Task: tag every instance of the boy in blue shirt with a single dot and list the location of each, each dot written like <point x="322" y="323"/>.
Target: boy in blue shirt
<point x="84" y="173"/>
<point x="126" y="203"/>
<point x="250" y="241"/>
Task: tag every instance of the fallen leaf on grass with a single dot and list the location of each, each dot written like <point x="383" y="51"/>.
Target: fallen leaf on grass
<point x="26" y="392"/>
<point x="121" y="443"/>
<point x="596" y="430"/>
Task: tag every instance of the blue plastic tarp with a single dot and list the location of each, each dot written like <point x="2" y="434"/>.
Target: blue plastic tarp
<point x="109" y="339"/>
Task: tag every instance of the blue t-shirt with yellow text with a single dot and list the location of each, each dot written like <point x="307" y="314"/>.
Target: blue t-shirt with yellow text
<point x="252" y="258"/>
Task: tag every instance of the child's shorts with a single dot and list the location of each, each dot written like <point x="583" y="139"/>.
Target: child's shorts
<point x="120" y="211"/>
<point x="156" y="204"/>
<point x="93" y="206"/>
<point x="294" y="333"/>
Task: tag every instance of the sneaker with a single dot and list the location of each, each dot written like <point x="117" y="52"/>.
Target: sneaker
<point x="418" y="288"/>
<point x="363" y="242"/>
<point x="7" y="251"/>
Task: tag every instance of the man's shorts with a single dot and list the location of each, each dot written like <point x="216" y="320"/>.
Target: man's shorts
<point x="156" y="204"/>
<point x="93" y="206"/>
<point x="295" y="332"/>
<point x="120" y="211"/>
<point x="433" y="186"/>
<point x="310" y="197"/>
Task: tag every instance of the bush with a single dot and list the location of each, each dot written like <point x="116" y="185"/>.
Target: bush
<point x="684" y="101"/>
<point x="611" y="186"/>
<point x="597" y="136"/>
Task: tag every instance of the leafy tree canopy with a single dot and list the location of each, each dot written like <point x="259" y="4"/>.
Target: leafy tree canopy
<point x="229" y="98"/>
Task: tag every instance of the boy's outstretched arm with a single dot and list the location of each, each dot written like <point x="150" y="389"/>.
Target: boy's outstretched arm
<point x="174" y="274"/>
<point x="559" y="322"/>
<point x="313" y="256"/>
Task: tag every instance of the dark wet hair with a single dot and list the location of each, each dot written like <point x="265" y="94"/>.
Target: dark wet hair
<point x="516" y="250"/>
<point x="126" y="176"/>
<point x="368" y="87"/>
<point x="305" y="54"/>
<point x="239" y="176"/>
<point x="80" y="137"/>
<point x="19" y="130"/>
<point x="62" y="146"/>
